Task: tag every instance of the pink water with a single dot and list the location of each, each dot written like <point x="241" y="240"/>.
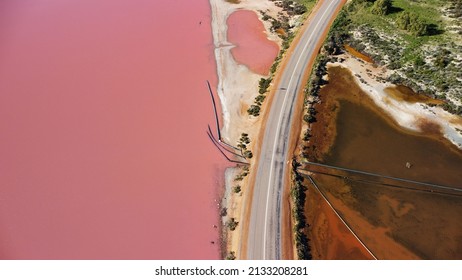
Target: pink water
<point x="103" y="112"/>
<point x="253" y="48"/>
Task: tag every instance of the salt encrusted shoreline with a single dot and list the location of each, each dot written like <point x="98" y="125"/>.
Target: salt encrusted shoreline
<point x="406" y="114"/>
<point x="237" y="85"/>
<point x="237" y="88"/>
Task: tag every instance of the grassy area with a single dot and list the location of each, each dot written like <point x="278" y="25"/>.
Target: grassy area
<point x="309" y="4"/>
<point x="427" y="60"/>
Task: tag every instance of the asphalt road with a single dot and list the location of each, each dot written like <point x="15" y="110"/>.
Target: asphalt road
<point x="264" y="235"/>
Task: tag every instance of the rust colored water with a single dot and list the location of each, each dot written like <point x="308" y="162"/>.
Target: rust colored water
<point x="394" y="222"/>
<point x="403" y="93"/>
<point x="252" y="47"/>
<point x="103" y="111"/>
<point x="331" y="239"/>
<point x="358" y="54"/>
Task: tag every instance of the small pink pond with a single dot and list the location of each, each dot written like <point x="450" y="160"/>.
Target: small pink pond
<point x="253" y="48"/>
<point x="103" y="114"/>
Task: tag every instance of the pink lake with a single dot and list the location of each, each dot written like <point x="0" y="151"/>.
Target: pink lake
<point x="252" y="47"/>
<point x="103" y="117"/>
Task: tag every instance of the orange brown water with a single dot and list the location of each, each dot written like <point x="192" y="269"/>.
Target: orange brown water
<point x="395" y="223"/>
<point x="404" y="93"/>
<point x="358" y="54"/>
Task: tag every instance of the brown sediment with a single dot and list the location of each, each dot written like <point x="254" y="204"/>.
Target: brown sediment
<point x="331" y="243"/>
<point x="358" y="54"/>
<point x="331" y="238"/>
<point x="429" y="127"/>
<point x="404" y="93"/>
<point x="393" y="223"/>
<point x="281" y="32"/>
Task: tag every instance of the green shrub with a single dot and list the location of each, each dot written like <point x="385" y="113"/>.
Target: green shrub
<point x="381" y="7"/>
<point x="412" y="23"/>
<point x="254" y="110"/>
<point x="231" y="224"/>
<point x="248" y="154"/>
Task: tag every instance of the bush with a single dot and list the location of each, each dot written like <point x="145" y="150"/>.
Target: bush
<point x="244" y="138"/>
<point x="231" y="224"/>
<point x="299" y="9"/>
<point x="259" y="99"/>
<point x="381" y="7"/>
<point x="298" y="196"/>
<point x="248" y="154"/>
<point x="442" y="58"/>
<point x="309" y="118"/>
<point x="254" y="110"/>
<point x="264" y="85"/>
<point x="412" y="23"/>
<point x="231" y="256"/>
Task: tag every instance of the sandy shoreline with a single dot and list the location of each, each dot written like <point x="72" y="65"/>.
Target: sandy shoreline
<point x="408" y="115"/>
<point x="237" y="85"/>
<point x="237" y="88"/>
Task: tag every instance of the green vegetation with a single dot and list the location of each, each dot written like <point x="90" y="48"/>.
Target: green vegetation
<point x="298" y="196"/>
<point x="231" y="224"/>
<point x="421" y="40"/>
<point x="231" y="256"/>
<point x="243" y="141"/>
<point x="381" y="7"/>
<point x="254" y="110"/>
<point x="244" y="172"/>
<point x="294" y="7"/>
<point x="309" y="4"/>
<point x="281" y="26"/>
<point x="242" y="144"/>
<point x="413" y="23"/>
<point x="223" y="212"/>
<point x="248" y="154"/>
<point x="264" y="85"/>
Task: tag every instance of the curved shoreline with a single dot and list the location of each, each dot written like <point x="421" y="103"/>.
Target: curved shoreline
<point x="408" y="115"/>
<point x="237" y="88"/>
<point x="237" y="84"/>
<point x="252" y="47"/>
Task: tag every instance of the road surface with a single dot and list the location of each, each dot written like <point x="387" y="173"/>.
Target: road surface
<point x="264" y="234"/>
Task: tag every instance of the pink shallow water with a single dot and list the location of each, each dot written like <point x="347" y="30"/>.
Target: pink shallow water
<point x="253" y="48"/>
<point x="103" y="111"/>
